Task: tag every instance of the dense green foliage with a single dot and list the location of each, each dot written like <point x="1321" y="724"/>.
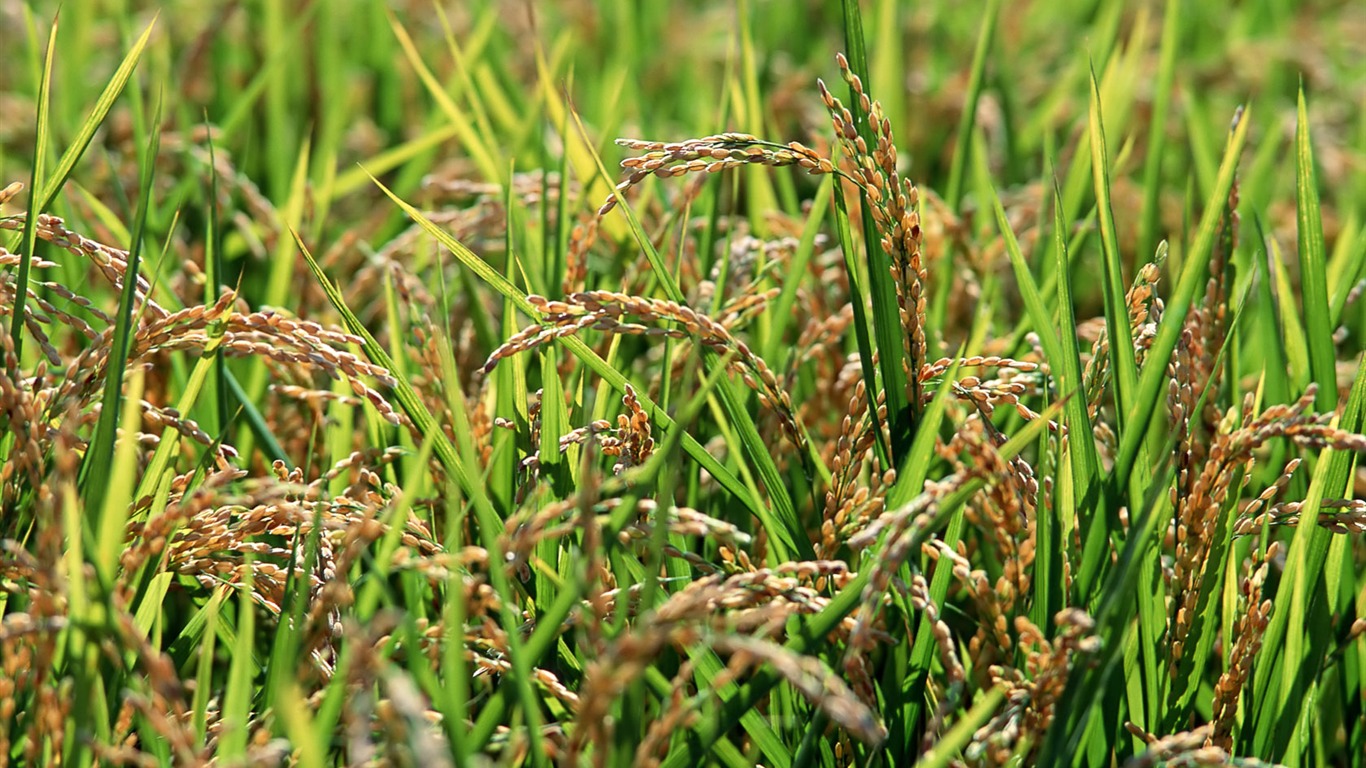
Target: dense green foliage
<point x="958" y="408"/>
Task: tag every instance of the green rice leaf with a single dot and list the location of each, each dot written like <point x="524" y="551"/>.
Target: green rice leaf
<point x="1193" y="275"/>
<point x="887" y="331"/>
<point x="29" y="243"/>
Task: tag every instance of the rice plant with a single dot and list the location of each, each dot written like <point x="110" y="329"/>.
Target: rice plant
<point x="924" y="388"/>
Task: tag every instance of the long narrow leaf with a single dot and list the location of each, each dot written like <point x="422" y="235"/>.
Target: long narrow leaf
<point x="1193" y="275"/>
<point x="30" y="236"/>
<point x="887" y="331"/>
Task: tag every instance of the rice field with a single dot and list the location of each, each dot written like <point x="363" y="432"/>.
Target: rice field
<point x="677" y="384"/>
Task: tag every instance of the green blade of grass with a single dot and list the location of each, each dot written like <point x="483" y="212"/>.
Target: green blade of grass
<point x="1085" y="492"/>
<point x="963" y="731"/>
<point x="256" y="421"/>
<point x="1292" y="651"/>
<point x="901" y="410"/>
<point x="801" y="258"/>
<point x="1318" y="324"/>
<point x="287" y="643"/>
<point x="1113" y="613"/>
<point x="555" y="466"/>
<point x="1204" y="622"/>
<point x="963" y="143"/>
<point x="215" y="387"/>
<point x="96" y="470"/>
<point x="299" y="725"/>
<point x="787" y="532"/>
<point x="475" y="51"/>
<point x="206" y="618"/>
<point x="42" y="196"/>
<point x="942" y="276"/>
<point x="1193" y="275"/>
<point x="1062" y="356"/>
<point x="749" y="114"/>
<point x="408" y="399"/>
<point x="814" y="629"/>
<point x="1099" y="527"/>
<point x="93" y="681"/>
<point x="1278" y="381"/>
<point x="1116" y="313"/>
<point x="1086" y="687"/>
<point x="579" y="349"/>
<point x="29" y="243"/>
<point x="267" y="72"/>
<point x="867" y="360"/>
<point x="490" y="525"/>
<point x="1163" y="88"/>
<point x="238" y="694"/>
<point x="906" y="697"/>
<point x="76" y="148"/>
<point x="465" y="130"/>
